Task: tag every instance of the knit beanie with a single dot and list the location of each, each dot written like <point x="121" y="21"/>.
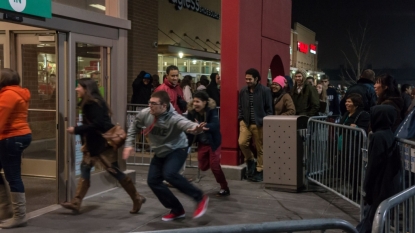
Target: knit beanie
<point x="280" y="80"/>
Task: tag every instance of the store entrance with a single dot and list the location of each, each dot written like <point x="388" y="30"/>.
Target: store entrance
<point x="32" y="52"/>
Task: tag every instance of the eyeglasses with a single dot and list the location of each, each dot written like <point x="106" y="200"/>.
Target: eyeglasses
<point x="153" y="103"/>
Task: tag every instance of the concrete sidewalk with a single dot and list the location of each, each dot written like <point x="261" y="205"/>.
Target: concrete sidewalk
<point x="248" y="203"/>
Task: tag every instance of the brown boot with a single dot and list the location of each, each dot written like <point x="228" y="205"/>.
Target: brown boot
<point x="129" y="187"/>
<point x="81" y="190"/>
<point x="6" y="211"/>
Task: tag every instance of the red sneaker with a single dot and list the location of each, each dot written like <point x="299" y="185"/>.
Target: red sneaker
<point x="201" y="207"/>
<point x="172" y="216"/>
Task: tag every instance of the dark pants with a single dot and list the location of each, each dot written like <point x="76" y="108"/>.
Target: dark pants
<point x="11" y="150"/>
<point x="369" y="212"/>
<point x="211" y="159"/>
<point x="110" y="165"/>
<point x="167" y="169"/>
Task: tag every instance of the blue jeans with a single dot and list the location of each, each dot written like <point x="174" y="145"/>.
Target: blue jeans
<point x="11" y="159"/>
<point x="167" y="169"/>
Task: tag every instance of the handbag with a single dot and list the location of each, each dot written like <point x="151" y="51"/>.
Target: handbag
<point x="181" y="103"/>
<point x="406" y="129"/>
<point x="115" y="136"/>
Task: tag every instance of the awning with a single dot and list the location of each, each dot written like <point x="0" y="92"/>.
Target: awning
<point x="171" y="50"/>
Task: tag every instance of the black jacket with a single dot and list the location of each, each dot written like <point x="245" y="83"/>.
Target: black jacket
<point x="141" y="91"/>
<point x="96" y="120"/>
<point x="213" y="135"/>
<point x="262" y="106"/>
<point x="334" y="102"/>
<point x="397" y="103"/>
<point x="382" y="174"/>
<point x="365" y="88"/>
<point x="214" y="92"/>
<point x="360" y="117"/>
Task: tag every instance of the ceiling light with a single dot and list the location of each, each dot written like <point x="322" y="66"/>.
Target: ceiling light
<point x="99" y="6"/>
<point x="194" y="62"/>
<point x="180" y="54"/>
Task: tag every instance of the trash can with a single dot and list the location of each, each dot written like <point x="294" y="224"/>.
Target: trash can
<point x="283" y="148"/>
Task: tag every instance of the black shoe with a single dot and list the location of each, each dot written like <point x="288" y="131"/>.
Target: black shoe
<point x="258" y="177"/>
<point x="223" y="193"/>
<point x="250" y="168"/>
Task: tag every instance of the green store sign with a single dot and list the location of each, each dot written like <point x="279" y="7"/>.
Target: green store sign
<point x="40" y="8"/>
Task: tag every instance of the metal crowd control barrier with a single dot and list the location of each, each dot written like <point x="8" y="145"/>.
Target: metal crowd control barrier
<point x="334" y="158"/>
<point x="397" y="213"/>
<point x="271" y="227"/>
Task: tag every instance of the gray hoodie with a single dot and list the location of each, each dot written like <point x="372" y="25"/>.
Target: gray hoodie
<point x="167" y="133"/>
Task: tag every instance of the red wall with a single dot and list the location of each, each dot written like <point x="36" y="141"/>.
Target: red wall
<point x="253" y="32"/>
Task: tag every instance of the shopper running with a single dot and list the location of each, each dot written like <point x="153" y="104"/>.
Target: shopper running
<point x="96" y="121"/>
<point x="203" y="109"/>
<point x="165" y="129"/>
<point x="15" y="136"/>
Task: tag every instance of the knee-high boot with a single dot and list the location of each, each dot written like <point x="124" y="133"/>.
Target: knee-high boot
<point x="19" y="211"/>
<point x="81" y="190"/>
<point x="129" y="187"/>
<point x="5" y="204"/>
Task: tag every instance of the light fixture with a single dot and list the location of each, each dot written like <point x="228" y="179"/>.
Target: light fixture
<point x="194" y="62"/>
<point x="180" y="54"/>
<point x="308" y="73"/>
<point x="165" y="63"/>
<point x="217" y="68"/>
<point x="293" y="71"/>
<point x="184" y="63"/>
<point x="98" y="6"/>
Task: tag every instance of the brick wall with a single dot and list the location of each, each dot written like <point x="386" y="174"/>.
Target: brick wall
<point x="142" y="55"/>
<point x="42" y="124"/>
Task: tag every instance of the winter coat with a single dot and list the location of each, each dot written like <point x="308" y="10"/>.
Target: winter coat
<point x="397" y="103"/>
<point x="365" y="88"/>
<point x="141" y="91"/>
<point x="283" y="105"/>
<point x="334" y="102"/>
<point x="384" y="163"/>
<point x="14" y="105"/>
<point x="95" y="121"/>
<point x="407" y="102"/>
<point x="306" y="102"/>
<point x="214" y="92"/>
<point x="360" y="118"/>
<point x="173" y="92"/>
<point x="211" y="117"/>
<point x="262" y="106"/>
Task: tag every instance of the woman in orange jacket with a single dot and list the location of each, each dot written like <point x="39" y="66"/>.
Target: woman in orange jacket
<point x="15" y="136"/>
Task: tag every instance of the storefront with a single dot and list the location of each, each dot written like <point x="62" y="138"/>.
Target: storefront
<point x="52" y="44"/>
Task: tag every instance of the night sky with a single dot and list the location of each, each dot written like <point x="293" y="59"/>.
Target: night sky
<point x="391" y="29"/>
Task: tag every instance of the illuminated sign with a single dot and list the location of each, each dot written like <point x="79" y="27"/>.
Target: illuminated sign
<point x="302" y="47"/>
<point x="313" y="49"/>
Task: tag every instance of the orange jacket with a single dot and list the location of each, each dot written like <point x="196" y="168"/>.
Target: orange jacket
<point x="14" y="105"/>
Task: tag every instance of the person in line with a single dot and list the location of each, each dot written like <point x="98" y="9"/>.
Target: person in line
<point x="250" y="118"/>
<point x="165" y="129"/>
<point x="96" y="121"/>
<point x="187" y="90"/>
<point x="142" y="87"/>
<point x="204" y="82"/>
<point x="304" y="96"/>
<point x="332" y="96"/>
<point x="406" y="91"/>
<point x="15" y="136"/>
<point x="383" y="171"/>
<point x="203" y="109"/>
<point x="363" y="87"/>
<point x="310" y="81"/>
<point x="322" y="96"/>
<point x="282" y="102"/>
<point x="213" y="88"/>
<point x="156" y="82"/>
<point x="356" y="117"/>
<point x="386" y="89"/>
<point x="172" y="87"/>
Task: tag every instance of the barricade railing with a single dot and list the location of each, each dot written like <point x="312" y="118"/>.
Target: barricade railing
<point x="271" y="227"/>
<point x="334" y="158"/>
<point x="397" y="213"/>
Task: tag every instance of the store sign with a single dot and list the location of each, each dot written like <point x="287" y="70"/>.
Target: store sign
<point x="40" y="8"/>
<point x="313" y="49"/>
<point x="194" y="6"/>
<point x="302" y="47"/>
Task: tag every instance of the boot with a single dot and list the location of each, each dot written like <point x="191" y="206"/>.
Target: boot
<point x="6" y="211"/>
<point x="81" y="190"/>
<point x="250" y="168"/>
<point x="129" y="187"/>
<point x="19" y="211"/>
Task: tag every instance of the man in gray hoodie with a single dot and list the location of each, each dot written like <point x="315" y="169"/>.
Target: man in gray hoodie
<point x="165" y="129"/>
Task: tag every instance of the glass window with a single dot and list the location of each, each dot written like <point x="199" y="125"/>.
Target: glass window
<point x="167" y="61"/>
<point x="182" y="64"/>
<point x="160" y="63"/>
<point x="215" y="67"/>
<point x="98" y="6"/>
<point x="195" y="66"/>
<point x="206" y="67"/>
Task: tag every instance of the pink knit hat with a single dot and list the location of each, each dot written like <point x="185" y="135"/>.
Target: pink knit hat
<point x="280" y="80"/>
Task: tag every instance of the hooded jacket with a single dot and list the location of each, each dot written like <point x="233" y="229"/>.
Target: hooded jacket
<point x="141" y="91"/>
<point x="167" y="133"/>
<point x="306" y="102"/>
<point x="212" y="119"/>
<point x="173" y="92"/>
<point x="382" y="174"/>
<point x="213" y="90"/>
<point x="14" y="106"/>
<point x="397" y="103"/>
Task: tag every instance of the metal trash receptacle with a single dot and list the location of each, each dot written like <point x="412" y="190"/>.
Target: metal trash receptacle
<point x="283" y="152"/>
